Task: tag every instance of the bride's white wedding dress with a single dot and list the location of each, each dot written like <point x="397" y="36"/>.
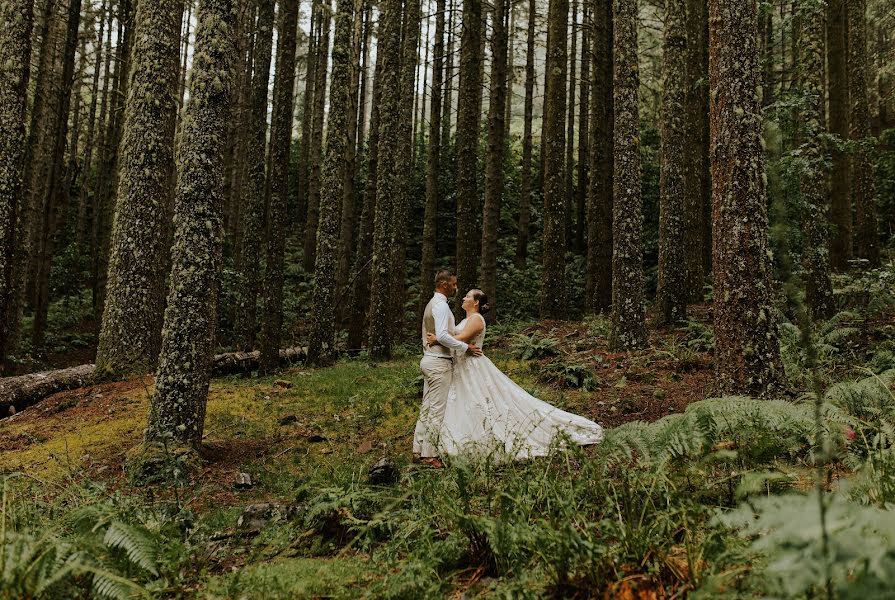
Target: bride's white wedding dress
<point x="488" y="414"/>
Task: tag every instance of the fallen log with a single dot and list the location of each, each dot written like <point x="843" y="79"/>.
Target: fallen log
<point x="22" y="391"/>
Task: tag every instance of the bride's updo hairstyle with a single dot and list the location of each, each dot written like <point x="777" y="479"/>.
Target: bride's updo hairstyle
<point x="482" y="298"/>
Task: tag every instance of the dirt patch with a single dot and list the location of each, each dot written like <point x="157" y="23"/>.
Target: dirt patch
<point x="83" y="404"/>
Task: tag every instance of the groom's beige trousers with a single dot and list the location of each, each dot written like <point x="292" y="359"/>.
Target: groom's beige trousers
<point x="437" y="375"/>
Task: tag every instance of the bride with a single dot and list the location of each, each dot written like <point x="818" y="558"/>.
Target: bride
<point x="487" y="413"/>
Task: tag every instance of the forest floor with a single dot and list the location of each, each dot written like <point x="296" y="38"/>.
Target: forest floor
<point x="320" y="520"/>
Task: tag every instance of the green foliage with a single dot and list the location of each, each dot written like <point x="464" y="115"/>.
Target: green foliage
<point x="535" y="346"/>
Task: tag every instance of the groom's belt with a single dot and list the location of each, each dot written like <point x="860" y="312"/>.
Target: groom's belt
<point x="450" y="358"/>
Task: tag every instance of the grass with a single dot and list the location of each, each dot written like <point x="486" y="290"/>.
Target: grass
<point x="634" y="517"/>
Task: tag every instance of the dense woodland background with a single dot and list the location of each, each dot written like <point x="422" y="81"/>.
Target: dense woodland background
<point x="415" y="119"/>
<point x="664" y="201"/>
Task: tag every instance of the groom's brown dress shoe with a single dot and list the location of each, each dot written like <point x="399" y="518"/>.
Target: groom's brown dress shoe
<point x="433" y="462"/>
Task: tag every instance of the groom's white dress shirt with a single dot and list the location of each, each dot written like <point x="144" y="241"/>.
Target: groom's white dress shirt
<point x="444" y="320"/>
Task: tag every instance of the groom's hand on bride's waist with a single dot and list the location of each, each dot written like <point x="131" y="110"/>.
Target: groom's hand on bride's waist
<point x="474" y="350"/>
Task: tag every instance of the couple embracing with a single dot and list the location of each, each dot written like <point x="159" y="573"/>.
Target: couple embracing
<point x="470" y="406"/>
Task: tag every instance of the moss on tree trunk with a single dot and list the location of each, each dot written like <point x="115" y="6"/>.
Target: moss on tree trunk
<point x="598" y="285"/>
<point x="553" y="279"/>
<point x="178" y="406"/>
<point x="321" y="350"/>
<point x="469" y="204"/>
<point x="253" y="211"/>
<point x="671" y="296"/>
<point x="494" y="169"/>
<point x="813" y="182"/>
<point x="747" y="357"/>
<point x="628" y="329"/>
<point x="130" y="335"/>
<point x="15" y="61"/>
<point x="280" y="143"/>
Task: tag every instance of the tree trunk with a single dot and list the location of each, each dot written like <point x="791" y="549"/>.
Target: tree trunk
<point x="583" y="135"/>
<point x="177" y="410"/>
<point x="55" y="202"/>
<point x="15" y="62"/>
<point x="321" y="349"/>
<point x="570" y="135"/>
<point x="348" y="220"/>
<point x="553" y="280"/>
<point x="307" y="121"/>
<point x="433" y="165"/>
<point x="363" y="258"/>
<point x="526" y="189"/>
<point x="130" y="336"/>
<point x="253" y="213"/>
<point x="448" y="107"/>
<point x="671" y="295"/>
<point x="402" y="202"/>
<point x="242" y="115"/>
<point x="108" y="177"/>
<point x="696" y="208"/>
<point x="494" y="169"/>
<point x="863" y="187"/>
<point x="280" y="146"/>
<point x="813" y="184"/>
<point x="26" y="212"/>
<point x="469" y="207"/>
<point x="628" y="330"/>
<point x="598" y="290"/>
<point x="102" y="58"/>
<point x="747" y="358"/>
<point x="837" y="90"/>
<point x="388" y="171"/>
<point x="316" y="151"/>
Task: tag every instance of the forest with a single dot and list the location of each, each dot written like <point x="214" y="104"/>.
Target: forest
<point x="220" y="227"/>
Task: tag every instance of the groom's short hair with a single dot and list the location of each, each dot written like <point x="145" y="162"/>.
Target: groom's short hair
<point x="443" y="276"/>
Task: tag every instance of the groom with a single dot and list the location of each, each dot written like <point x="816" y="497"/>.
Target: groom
<point x="437" y="366"/>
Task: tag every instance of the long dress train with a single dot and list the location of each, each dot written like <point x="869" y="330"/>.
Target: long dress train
<point x="489" y="414"/>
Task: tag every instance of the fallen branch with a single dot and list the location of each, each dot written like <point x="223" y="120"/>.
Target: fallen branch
<point x="20" y="392"/>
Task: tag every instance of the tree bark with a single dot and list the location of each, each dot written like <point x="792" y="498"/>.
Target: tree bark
<point x="526" y="185"/>
<point x="497" y="144"/>
<point x="280" y="147"/>
<point x="813" y="183"/>
<point x="433" y="165"/>
<point x="628" y="329"/>
<point x="697" y="187"/>
<point x="837" y="90"/>
<point x="863" y="186"/>
<point x="583" y="135"/>
<point x="307" y="121"/>
<point x="747" y="358"/>
<point x="177" y="410"/>
<point x="402" y="202"/>
<point x="15" y="62"/>
<point x="388" y="171"/>
<point x="253" y="213"/>
<point x="553" y="280"/>
<point x="322" y="347"/>
<point x="600" y="202"/>
<point x="469" y="207"/>
<point x="672" y="295"/>
<point x="130" y="336"/>
<point x="56" y="198"/>
<point x="316" y="150"/>
<point x="102" y="58"/>
<point x="447" y="109"/>
<point x="570" y="134"/>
